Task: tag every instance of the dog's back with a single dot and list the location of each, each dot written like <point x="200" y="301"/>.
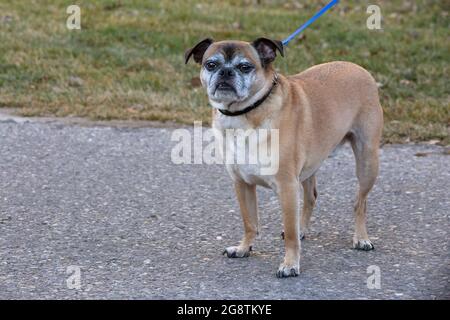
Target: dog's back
<point x="343" y="100"/>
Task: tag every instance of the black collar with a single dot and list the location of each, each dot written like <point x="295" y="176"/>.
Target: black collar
<point x="253" y="106"/>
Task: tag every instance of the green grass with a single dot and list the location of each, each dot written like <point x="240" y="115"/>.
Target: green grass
<point x="129" y="55"/>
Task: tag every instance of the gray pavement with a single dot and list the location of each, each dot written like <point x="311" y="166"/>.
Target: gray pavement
<point x="110" y="201"/>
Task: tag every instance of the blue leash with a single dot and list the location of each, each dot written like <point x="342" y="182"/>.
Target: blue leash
<point x="311" y="20"/>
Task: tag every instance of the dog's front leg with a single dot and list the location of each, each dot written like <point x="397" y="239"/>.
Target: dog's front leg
<point x="246" y="195"/>
<point x="289" y="200"/>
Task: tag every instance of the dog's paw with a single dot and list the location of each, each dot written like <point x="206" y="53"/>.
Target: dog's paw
<point x="365" y="245"/>
<point x="285" y="271"/>
<point x="301" y="235"/>
<point x="237" y="252"/>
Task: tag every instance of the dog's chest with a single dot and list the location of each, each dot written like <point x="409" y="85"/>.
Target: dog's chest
<point x="251" y="174"/>
<point x="247" y="151"/>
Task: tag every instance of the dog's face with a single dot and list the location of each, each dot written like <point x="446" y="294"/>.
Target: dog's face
<point x="233" y="71"/>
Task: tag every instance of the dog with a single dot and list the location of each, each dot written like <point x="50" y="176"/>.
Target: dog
<point x="315" y="111"/>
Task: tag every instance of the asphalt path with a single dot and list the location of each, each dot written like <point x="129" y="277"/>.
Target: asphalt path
<point x="90" y="211"/>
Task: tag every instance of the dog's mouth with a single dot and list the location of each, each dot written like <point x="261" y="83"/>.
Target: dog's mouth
<point x="224" y="86"/>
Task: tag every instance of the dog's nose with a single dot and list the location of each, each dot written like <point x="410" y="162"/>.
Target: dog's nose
<point x="227" y="72"/>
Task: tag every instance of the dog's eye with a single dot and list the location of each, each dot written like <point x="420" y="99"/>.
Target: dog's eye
<point x="245" y="68"/>
<point x="210" y="66"/>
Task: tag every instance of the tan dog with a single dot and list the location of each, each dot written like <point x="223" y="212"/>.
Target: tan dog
<point x="315" y="111"/>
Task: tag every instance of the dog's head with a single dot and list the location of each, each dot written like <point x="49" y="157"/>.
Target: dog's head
<point x="234" y="71"/>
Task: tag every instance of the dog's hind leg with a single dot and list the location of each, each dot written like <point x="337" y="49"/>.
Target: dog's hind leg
<point x="365" y="149"/>
<point x="246" y="195"/>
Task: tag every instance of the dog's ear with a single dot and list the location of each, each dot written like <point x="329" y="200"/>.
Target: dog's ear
<point x="267" y="49"/>
<point x="198" y="50"/>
